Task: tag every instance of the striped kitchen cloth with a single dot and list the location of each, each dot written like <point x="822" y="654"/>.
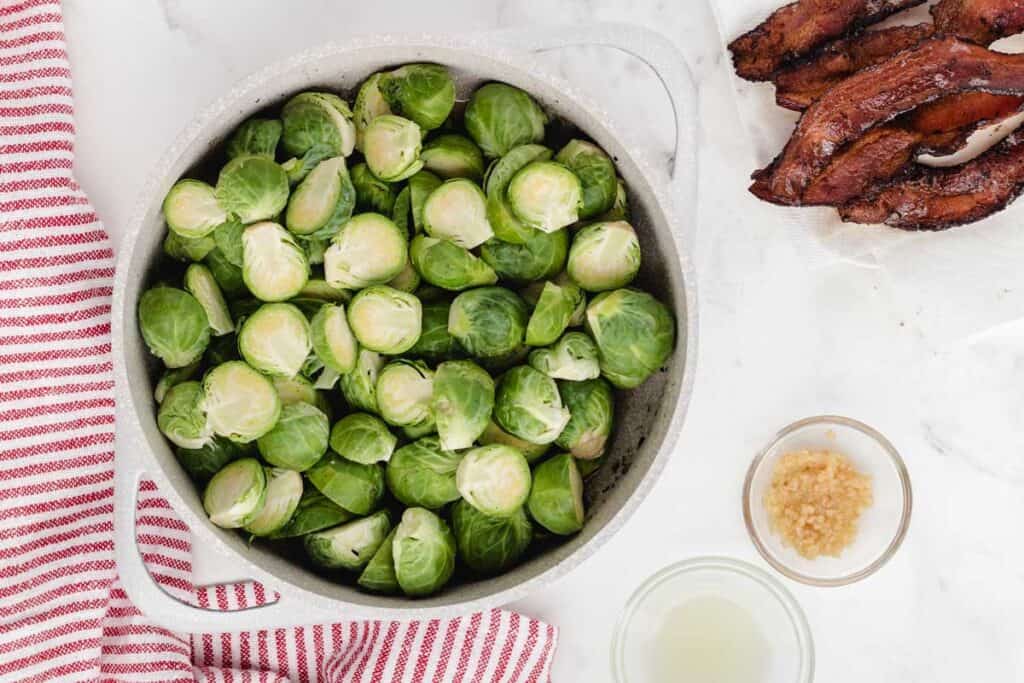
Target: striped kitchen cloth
<point x="63" y="614"/>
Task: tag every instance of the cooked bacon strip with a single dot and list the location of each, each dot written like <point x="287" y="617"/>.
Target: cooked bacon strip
<point x="981" y="21"/>
<point x="873" y="159"/>
<point x="796" y="29"/>
<point x="940" y="198"/>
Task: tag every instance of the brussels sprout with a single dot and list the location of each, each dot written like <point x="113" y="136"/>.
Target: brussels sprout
<point x="545" y="195"/>
<point x="421" y="186"/>
<point x="298" y="389"/>
<point x="494" y="479"/>
<point x="541" y="257"/>
<point x="332" y="339"/>
<point x="257" y="137"/>
<point x="453" y="156"/>
<point x="327" y="377"/>
<point x="502" y="170"/>
<point x="527" y="404"/>
<point x="317" y="126"/>
<point x="406" y="281"/>
<point x="319" y="290"/>
<point x="385" y="320"/>
<point x="487" y="544"/>
<point x="228" y="276"/>
<point x="620" y="209"/>
<point x="181" y="417"/>
<point x="488" y="321"/>
<point x="379" y="574"/>
<point x="401" y="214"/>
<point x="253" y="188"/>
<point x="424" y="93"/>
<point x="349" y="546"/>
<point x="573" y="357"/>
<point x="275" y="339"/>
<point x="204" y="462"/>
<point x="221" y="350"/>
<point x="554" y="310"/>
<point x="201" y="284"/>
<point x="592" y="406"/>
<point x="494" y="434"/>
<point x="634" y="333"/>
<point x="235" y="495"/>
<point x="369" y="250"/>
<point x="420" y="429"/>
<point x="422" y="474"/>
<point x="275" y="266"/>
<point x="372" y="194"/>
<point x="354" y="486"/>
<point x="362" y="438"/>
<point x="457" y="211"/>
<point x="604" y="256"/>
<point x="392" y="147"/>
<point x="447" y="265"/>
<point x="228" y="238"/>
<point x="174" y="325"/>
<point x="359" y="387"/>
<point x="370" y="104"/>
<point x="404" y="392"/>
<point x="500" y="117"/>
<point x="298" y="440"/>
<point x="556" y="499"/>
<point x="284" y="490"/>
<point x="314" y="512"/>
<point x="322" y="202"/>
<point x="462" y="402"/>
<point x="241" y="404"/>
<point x="184" y="249"/>
<point x="596" y="173"/>
<point x="174" y="376"/>
<point x="191" y="209"/>
<point x="424" y="551"/>
<point x="435" y="343"/>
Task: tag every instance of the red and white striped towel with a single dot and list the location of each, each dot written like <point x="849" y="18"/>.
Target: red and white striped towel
<point x="63" y="615"/>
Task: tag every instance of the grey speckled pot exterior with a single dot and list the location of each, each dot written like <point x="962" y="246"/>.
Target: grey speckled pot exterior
<point x="649" y="420"/>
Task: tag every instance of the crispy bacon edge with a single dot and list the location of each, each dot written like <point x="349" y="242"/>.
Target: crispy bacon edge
<point x="981" y="21"/>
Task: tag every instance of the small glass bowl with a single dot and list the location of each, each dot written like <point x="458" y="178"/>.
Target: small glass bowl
<point x="781" y="623"/>
<point x="881" y="527"/>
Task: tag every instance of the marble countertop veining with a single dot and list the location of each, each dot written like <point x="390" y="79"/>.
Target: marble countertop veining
<point x="781" y="337"/>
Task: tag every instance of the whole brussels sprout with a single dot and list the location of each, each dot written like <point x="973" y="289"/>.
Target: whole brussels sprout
<point x="174" y="325"/>
<point x="541" y="257"/>
<point x="401" y="213"/>
<point x="385" y="320"/>
<point x="424" y="93"/>
<point x="187" y="249"/>
<point x="527" y="404"/>
<point x="634" y="333"/>
<point x="462" y="402"/>
<point x="322" y="202"/>
<point x="488" y="321"/>
<point x="369" y="250"/>
<point x="422" y="474"/>
<point x="349" y="546"/>
<point x="284" y="490"/>
<point x="604" y="256"/>
<point x="241" y="404"/>
<point x="573" y="357"/>
<point x="494" y="434"/>
<point x="545" y="195"/>
<point x="421" y="186"/>
<point x="392" y="147"/>
<point x="362" y="438"/>
<point x="317" y="125"/>
<point x="370" y="104"/>
<point x="556" y="499"/>
<point x="404" y="392"/>
<point x="275" y="267"/>
<point x="379" y="574"/>
<point x="435" y="343"/>
<point x="191" y="209"/>
<point x="406" y="281"/>
<point x="354" y="486"/>
<point x="592" y="406"/>
<point x="175" y="376"/>
<point x="500" y="117"/>
<point x="490" y="545"/>
<point x="359" y="387"/>
<point x="275" y="339"/>
<point x="204" y="462"/>
<point x="424" y="550"/>
<point x="447" y="265"/>
<point x="332" y="338"/>
<point x="298" y="440"/>
<point x="257" y="137"/>
<point x="553" y="313"/>
<point x="228" y="238"/>
<point x="596" y="173"/>
<point x="228" y="276"/>
<point x="453" y="156"/>
<point x="181" y="417"/>
<point x="235" y="495"/>
<point x="253" y="188"/>
<point x="457" y="211"/>
<point x="494" y="479"/>
<point x="372" y="194"/>
<point x="314" y="512"/>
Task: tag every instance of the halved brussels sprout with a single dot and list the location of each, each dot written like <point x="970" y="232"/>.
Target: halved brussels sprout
<point x="228" y="238"/>
<point x="359" y="387"/>
<point x="236" y="494"/>
<point x="552" y="314"/>
<point x="317" y="126"/>
<point x="404" y="392"/>
<point x="315" y="511"/>
<point x="423" y="474"/>
<point x="634" y="333"/>
<point x="556" y="500"/>
<point x="392" y="147"/>
<point x="354" y="486"/>
<point x="604" y="256"/>
<point x="406" y="281"/>
<point x="545" y="195"/>
<point x="369" y="250"/>
<point x="298" y="389"/>
<point x="322" y="202"/>
<point x="462" y="403"/>
<point x="488" y="322"/>
<point x="349" y="546"/>
<point x="573" y="357"/>
<point x="284" y="491"/>
<point x="298" y="440"/>
<point x="362" y="438"/>
<point x="228" y="275"/>
<point x="541" y="257"/>
<point x="379" y="575"/>
<point x="500" y="174"/>
<point x="494" y="479"/>
<point x="174" y="376"/>
<point x="528" y="405"/>
<point x="182" y="418"/>
<point x="191" y="209"/>
<point x="253" y="188"/>
<point x="241" y="404"/>
<point x="424" y="93"/>
<point x="275" y="267"/>
<point x="385" y="320"/>
<point x="401" y="214"/>
<point x="275" y="339"/>
<point x="500" y="117"/>
<point x="424" y="550"/>
<point x="204" y="462"/>
<point x="332" y="339"/>
<point x="457" y="211"/>
<point x="596" y="173"/>
<point x="370" y="104"/>
<point x="592" y="406"/>
<point x="174" y="325"/>
<point x="185" y="249"/>
<point x="421" y="185"/>
<point x="447" y="265"/>
<point x="201" y="284"/>
<point x="435" y="343"/>
<point x="257" y="137"/>
<point x="490" y="545"/>
<point x="453" y="156"/>
<point x="494" y="434"/>
<point x="372" y="194"/>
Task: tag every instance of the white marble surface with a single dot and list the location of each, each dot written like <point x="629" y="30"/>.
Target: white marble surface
<point x="783" y="336"/>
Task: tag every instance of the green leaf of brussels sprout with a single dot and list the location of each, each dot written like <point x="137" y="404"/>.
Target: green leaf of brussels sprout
<point x="192" y="209"/>
<point x="501" y="172"/>
<point x="462" y="403"/>
<point x="241" y="404"/>
<point x="253" y="188"/>
<point x="421" y="186"/>
<point x="494" y="479"/>
<point x="528" y="405"/>
<point x="314" y="512"/>
<point x="545" y="195"/>
<point x="275" y="339"/>
<point x="362" y="438"/>
<point x="634" y="333"/>
<point x="404" y="392"/>
<point x="573" y="357"/>
<point x="184" y="249"/>
<point x="391" y="145"/>
<point x="228" y="238"/>
<point x="201" y="284"/>
<point x="447" y="265"/>
<point x="204" y="462"/>
<point x="552" y="314"/>
<point x="401" y="214"/>
<point x="174" y="325"/>
<point x="499" y="117"/>
<point x="379" y="575"/>
<point x="488" y="322"/>
<point x="369" y="250"/>
<point x="317" y="289"/>
<point x="228" y="275"/>
<point x="275" y="267"/>
<point x="592" y="406"/>
<point x="556" y="499"/>
<point x="424" y="93"/>
<point x="435" y="343"/>
<point x="422" y="474"/>
<point x="359" y="387"/>
<point x="175" y="376"/>
<point x="257" y="137"/>
<point x="372" y="194"/>
<point x="369" y="104"/>
<point x="604" y="256"/>
<point x="494" y="434"/>
<point x="453" y="156"/>
<point x="620" y="209"/>
<point x="490" y="545"/>
<point x="284" y="490"/>
<point x="349" y="546"/>
<point x="420" y="429"/>
<point x="354" y="486"/>
<point x="322" y="202"/>
<point x="541" y="257"/>
<point x="235" y="495"/>
<point x="318" y="121"/>
<point x="298" y="440"/>
<point x="596" y="173"/>
<point x="181" y="417"/>
<point x="424" y="550"/>
<point x="457" y="211"/>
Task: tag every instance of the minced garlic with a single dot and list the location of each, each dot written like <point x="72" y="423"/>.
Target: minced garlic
<point x="815" y="500"/>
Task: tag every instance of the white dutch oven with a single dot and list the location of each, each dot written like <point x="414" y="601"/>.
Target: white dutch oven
<point x="648" y="422"/>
